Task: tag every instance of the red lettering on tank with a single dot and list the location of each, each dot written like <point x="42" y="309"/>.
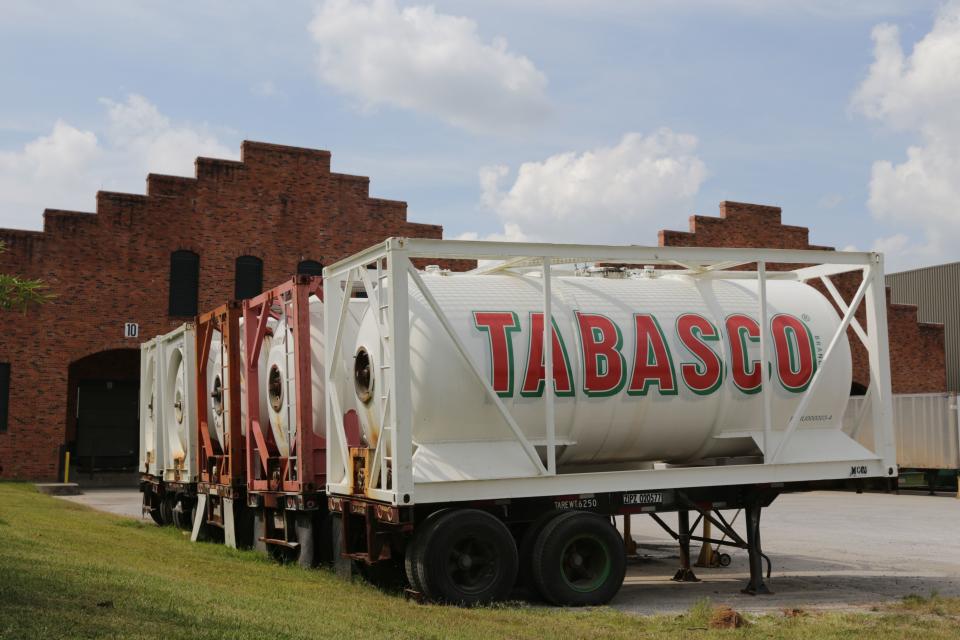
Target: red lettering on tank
<point x="652" y="363"/>
<point x="742" y="329"/>
<point x="796" y="359"/>
<point x="533" y="380"/>
<point x="603" y="363"/>
<point x="695" y="333"/>
<point x="499" y="327"/>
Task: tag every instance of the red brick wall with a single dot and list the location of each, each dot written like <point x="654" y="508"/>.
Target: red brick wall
<point x="917" y="356"/>
<point x="282" y="204"/>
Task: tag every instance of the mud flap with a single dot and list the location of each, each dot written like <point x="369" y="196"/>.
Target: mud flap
<point x="199" y="533"/>
<point x="306" y="525"/>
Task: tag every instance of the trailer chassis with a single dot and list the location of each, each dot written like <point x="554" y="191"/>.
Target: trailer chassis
<point x="168" y="502"/>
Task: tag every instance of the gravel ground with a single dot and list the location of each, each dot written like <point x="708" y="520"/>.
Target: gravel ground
<point x="830" y="550"/>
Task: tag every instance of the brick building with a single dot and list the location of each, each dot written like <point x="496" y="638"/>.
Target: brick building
<point x="236" y="226"/>
<point x="190" y="244"/>
<point x="917" y="355"/>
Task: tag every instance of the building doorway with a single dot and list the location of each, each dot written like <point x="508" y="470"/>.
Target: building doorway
<point x="103" y="421"/>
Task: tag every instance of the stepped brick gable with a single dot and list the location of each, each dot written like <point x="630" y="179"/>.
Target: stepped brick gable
<point x="917" y="356"/>
<point x="278" y="203"/>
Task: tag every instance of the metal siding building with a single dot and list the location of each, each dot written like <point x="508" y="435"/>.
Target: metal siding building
<point x="936" y="293"/>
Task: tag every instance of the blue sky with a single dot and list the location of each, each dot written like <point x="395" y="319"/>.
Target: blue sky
<point x="562" y="121"/>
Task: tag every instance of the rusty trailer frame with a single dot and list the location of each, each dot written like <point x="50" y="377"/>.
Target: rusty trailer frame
<point x="285" y="491"/>
<point x="221" y="488"/>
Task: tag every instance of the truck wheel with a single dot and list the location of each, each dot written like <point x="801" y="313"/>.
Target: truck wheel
<point x="166" y="510"/>
<point x="155" y="514"/>
<point x="184" y="513"/>
<point x="469" y="557"/>
<point x="153" y="503"/>
<point x="413" y="554"/>
<point x="578" y="560"/>
<point x="527" y="541"/>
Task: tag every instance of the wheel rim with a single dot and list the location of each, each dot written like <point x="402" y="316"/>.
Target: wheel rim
<point x="472" y="565"/>
<point x="585" y="563"/>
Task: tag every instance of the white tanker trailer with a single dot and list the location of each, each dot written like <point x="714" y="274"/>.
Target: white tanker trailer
<point x="168" y="427"/>
<point x="475" y="464"/>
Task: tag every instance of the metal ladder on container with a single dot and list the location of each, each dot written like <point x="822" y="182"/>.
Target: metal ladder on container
<point x="289" y="356"/>
<point x="386" y="428"/>
<point x="224" y="400"/>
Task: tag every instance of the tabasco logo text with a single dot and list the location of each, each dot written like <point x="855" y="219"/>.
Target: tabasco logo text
<point x="648" y="366"/>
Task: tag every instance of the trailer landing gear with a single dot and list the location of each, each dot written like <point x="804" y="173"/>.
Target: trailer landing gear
<point x="756" y="586"/>
<point x="682" y="536"/>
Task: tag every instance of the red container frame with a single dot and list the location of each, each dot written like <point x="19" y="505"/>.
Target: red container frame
<point x="222" y="469"/>
<point x="304" y="470"/>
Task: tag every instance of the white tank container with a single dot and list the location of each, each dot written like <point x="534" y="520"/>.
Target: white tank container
<point x="177" y="418"/>
<point x="613" y="426"/>
<point x="217" y="382"/>
<point x="277" y="378"/>
<point x="149" y="408"/>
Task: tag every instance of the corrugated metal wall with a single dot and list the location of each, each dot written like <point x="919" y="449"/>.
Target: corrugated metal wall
<point x="924" y="426"/>
<point x="936" y="292"/>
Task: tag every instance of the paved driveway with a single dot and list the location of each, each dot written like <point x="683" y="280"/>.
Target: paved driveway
<point x="829" y="550"/>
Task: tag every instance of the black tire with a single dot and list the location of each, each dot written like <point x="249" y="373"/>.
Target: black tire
<point x="242" y="523"/>
<point x="468" y="557"/>
<point x="386" y="575"/>
<point x="166" y="510"/>
<point x="155" y="514"/>
<point x="723" y="559"/>
<point x="578" y="560"/>
<point x="183" y="513"/>
<point x="414" y="550"/>
<point x="152" y="503"/>
<point x="525" y="550"/>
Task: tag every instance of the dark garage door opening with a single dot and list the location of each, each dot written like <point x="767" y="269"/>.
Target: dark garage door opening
<point x="103" y="424"/>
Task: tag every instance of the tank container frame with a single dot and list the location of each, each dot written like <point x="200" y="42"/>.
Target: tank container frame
<point x="285" y="492"/>
<point x="222" y="479"/>
<point x="788" y="456"/>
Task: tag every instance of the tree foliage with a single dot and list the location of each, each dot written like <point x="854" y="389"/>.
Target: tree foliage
<point x="17" y="294"/>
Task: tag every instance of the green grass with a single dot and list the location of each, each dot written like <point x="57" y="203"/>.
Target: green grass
<point x="69" y="572"/>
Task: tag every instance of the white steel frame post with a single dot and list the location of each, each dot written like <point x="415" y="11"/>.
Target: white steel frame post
<point x="879" y="352"/>
<point x="391" y="477"/>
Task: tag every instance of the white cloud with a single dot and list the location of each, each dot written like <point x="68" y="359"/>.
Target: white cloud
<point x="918" y="93"/>
<point x="620" y="194"/>
<point x="511" y="233"/>
<point x="64" y="169"/>
<point x="419" y="59"/>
